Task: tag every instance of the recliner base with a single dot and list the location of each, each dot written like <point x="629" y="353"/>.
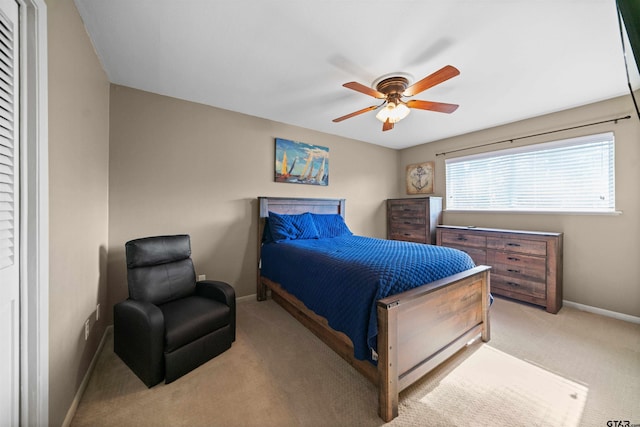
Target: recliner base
<point x="188" y="357"/>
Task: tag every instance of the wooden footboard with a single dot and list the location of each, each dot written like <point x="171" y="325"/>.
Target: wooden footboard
<point x="421" y="328"/>
<point x="417" y="330"/>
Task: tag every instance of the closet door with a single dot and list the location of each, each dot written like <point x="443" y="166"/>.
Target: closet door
<point x="9" y="216"/>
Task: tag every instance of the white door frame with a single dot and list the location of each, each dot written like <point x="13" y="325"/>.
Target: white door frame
<point x="34" y="228"/>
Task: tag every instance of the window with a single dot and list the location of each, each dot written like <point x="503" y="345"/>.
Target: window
<point x="572" y="175"/>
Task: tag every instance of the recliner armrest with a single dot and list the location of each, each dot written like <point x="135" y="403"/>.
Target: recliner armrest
<point x="139" y="339"/>
<point x="222" y="292"/>
<point x="219" y="291"/>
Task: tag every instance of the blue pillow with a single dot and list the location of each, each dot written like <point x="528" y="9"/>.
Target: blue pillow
<point x="281" y="227"/>
<point x="330" y="225"/>
<point x="292" y="227"/>
<point x="306" y="226"/>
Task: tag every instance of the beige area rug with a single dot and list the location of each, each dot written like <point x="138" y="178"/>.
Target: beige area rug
<point x="492" y="388"/>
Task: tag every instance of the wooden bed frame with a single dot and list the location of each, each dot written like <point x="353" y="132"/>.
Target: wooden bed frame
<point x="417" y="329"/>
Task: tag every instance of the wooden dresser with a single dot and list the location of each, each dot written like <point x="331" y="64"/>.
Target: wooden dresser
<point x="525" y="265"/>
<point x="414" y="220"/>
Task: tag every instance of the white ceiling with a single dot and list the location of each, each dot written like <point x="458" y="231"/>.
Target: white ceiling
<point x="286" y="60"/>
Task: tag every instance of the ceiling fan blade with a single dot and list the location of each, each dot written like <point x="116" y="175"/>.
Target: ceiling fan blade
<point x="387" y="125"/>
<point x="358" y="87"/>
<point x="440" y="107"/>
<point x="355" y="113"/>
<point x="443" y="74"/>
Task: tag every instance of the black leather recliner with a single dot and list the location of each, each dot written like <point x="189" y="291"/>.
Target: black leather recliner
<point x="170" y="324"/>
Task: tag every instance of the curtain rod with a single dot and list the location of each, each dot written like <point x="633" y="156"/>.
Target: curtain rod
<point x="535" y="134"/>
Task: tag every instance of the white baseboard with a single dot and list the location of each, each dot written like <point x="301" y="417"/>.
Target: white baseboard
<point x="602" y="311"/>
<point x="246" y="298"/>
<point x="85" y="381"/>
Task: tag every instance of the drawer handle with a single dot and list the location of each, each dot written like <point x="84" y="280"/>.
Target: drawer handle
<point x="514" y="244"/>
<point x="513" y="284"/>
<point x="512" y="258"/>
<point x="462" y="239"/>
<point x="407" y="222"/>
<point x="407" y="234"/>
<point x="510" y="270"/>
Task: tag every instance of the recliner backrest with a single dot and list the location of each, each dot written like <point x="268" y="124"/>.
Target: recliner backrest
<point x="160" y="269"/>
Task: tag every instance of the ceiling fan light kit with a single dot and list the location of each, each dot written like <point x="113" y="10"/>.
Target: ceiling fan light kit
<point x="393" y="89"/>
<point x="392" y="112"/>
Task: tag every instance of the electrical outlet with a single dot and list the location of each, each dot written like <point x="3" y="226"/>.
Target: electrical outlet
<point x="202" y="277"/>
<point x="86" y="330"/>
<point x="98" y="312"/>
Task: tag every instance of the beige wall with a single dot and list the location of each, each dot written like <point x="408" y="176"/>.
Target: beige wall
<point x="181" y="167"/>
<point x="78" y="181"/>
<point x="601" y="253"/>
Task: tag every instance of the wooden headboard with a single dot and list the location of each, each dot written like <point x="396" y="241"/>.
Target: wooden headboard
<point x="292" y="206"/>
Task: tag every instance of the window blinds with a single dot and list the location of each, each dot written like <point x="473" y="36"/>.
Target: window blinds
<point x="573" y="175"/>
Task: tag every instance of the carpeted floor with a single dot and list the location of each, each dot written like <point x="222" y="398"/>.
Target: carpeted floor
<point x="570" y="369"/>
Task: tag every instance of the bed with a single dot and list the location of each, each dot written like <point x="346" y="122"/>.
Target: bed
<point x="415" y="330"/>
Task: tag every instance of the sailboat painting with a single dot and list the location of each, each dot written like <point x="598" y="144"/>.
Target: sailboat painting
<point x="300" y="163"/>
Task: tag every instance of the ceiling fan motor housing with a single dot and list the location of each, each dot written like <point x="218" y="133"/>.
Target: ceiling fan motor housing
<point x="393" y="86"/>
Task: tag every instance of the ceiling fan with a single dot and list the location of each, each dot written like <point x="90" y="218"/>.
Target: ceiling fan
<point x="393" y="89"/>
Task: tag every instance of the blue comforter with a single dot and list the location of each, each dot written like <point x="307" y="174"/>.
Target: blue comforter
<point x="341" y="278"/>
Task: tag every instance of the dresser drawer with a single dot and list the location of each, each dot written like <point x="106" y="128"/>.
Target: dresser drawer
<point x="461" y="238"/>
<point x="517" y="265"/>
<point x="397" y="221"/>
<point x="478" y="255"/>
<point x="520" y="285"/>
<point x="407" y="209"/>
<point x="410" y="234"/>
<point x="524" y="246"/>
